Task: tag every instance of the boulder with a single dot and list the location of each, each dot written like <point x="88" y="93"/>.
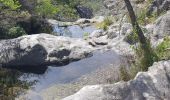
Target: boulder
<point x="162" y="25"/>
<point x="160" y="29"/>
<point x="41" y="50"/>
<point x="84" y="12"/>
<point x="151" y="85"/>
<point x="96" y="33"/>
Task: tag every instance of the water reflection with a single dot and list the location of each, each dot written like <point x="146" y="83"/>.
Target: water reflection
<point x="14" y="82"/>
<point x="68" y="73"/>
<point x="10" y="84"/>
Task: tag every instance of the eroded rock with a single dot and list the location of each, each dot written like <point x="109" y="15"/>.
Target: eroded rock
<point x="41" y="50"/>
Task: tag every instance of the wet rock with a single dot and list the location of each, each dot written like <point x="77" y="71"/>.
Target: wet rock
<point x="42" y="50"/>
<point x="153" y="84"/>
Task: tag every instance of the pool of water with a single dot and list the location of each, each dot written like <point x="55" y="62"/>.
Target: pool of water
<point x="74" y="31"/>
<point x="66" y="74"/>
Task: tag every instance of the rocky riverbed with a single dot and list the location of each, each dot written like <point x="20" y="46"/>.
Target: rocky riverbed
<point x="67" y="63"/>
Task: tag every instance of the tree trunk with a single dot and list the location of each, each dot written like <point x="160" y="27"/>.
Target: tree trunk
<point x="134" y="22"/>
<point x="147" y="53"/>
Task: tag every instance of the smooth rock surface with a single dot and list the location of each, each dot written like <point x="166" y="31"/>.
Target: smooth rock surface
<point x="41" y="50"/>
<point x="151" y="85"/>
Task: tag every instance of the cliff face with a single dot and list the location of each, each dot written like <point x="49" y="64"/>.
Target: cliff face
<point x="151" y="85"/>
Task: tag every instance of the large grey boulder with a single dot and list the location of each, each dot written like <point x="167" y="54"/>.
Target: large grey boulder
<point x="41" y="50"/>
<point x="151" y="85"/>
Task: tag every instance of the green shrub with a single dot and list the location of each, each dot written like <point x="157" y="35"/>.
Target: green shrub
<point x="16" y="32"/>
<point x="45" y="8"/>
<point x="107" y="22"/>
<point x="124" y="74"/>
<point x="163" y="49"/>
<point x="131" y="38"/>
<point x="12" y="4"/>
<point x="145" y="59"/>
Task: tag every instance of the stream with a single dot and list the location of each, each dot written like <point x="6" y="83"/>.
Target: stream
<point x="52" y="75"/>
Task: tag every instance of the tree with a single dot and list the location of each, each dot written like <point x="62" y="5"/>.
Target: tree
<point x="12" y="4"/>
<point x="148" y="55"/>
<point x="45" y="8"/>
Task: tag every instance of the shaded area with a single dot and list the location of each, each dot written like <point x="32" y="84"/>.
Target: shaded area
<point x="10" y="85"/>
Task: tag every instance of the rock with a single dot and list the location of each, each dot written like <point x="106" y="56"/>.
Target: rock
<point x="112" y="34"/>
<point x="96" y="33"/>
<point x="161" y="5"/>
<point x="98" y="19"/>
<point x="42" y="50"/>
<point x="121" y="47"/>
<point x="101" y="40"/>
<point x="151" y="85"/>
<point x="84" y="12"/>
<point x="82" y="21"/>
<point x="110" y="4"/>
<point x="126" y="29"/>
<point x="160" y="29"/>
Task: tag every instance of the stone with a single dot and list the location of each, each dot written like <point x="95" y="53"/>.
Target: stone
<point x="84" y="12"/>
<point x="42" y="50"/>
<point x="96" y="33"/>
<point x="162" y="25"/>
<point x="101" y="40"/>
<point x="160" y="29"/>
<point x="158" y="6"/>
<point x="151" y="85"/>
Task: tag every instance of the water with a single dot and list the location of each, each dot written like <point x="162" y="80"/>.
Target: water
<point x="74" y="31"/>
<point x="45" y="77"/>
<point x="66" y="74"/>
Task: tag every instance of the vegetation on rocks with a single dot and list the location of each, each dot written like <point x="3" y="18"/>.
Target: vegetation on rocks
<point x="163" y="49"/>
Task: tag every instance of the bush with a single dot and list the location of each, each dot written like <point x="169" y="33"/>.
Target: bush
<point x="163" y="49"/>
<point x="16" y="32"/>
<point x="107" y="22"/>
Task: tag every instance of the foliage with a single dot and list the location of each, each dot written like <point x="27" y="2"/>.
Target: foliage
<point x="132" y="38"/>
<point x="10" y="85"/>
<point x="107" y="22"/>
<point x="16" y="32"/>
<point x="46" y="8"/>
<point x="163" y="49"/>
<point x="145" y="59"/>
<point x="13" y="4"/>
<point x="128" y="74"/>
<point x="66" y="12"/>
<point x="124" y="74"/>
